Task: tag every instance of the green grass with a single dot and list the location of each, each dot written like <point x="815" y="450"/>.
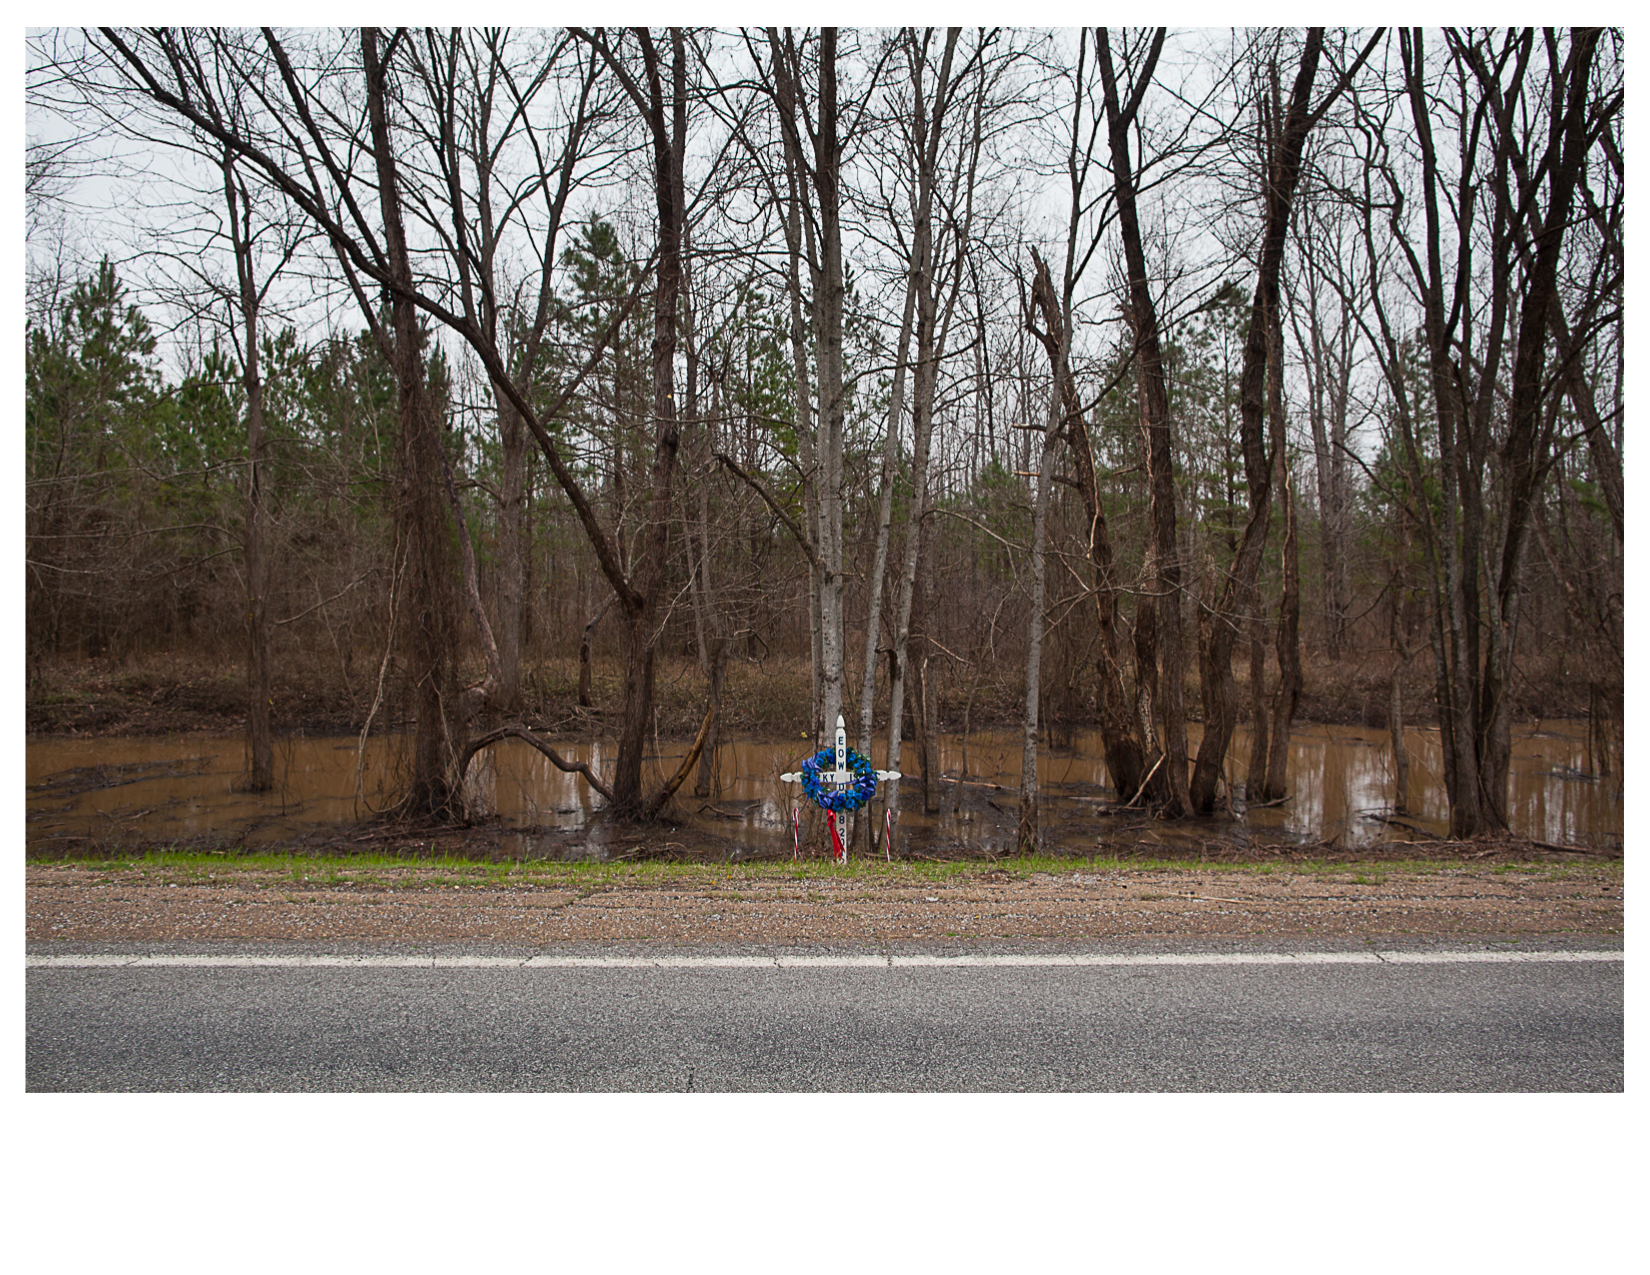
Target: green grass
<point x="373" y="869"/>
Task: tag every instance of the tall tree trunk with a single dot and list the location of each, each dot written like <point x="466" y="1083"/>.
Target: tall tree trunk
<point x="928" y="691"/>
<point x="1158" y="637"/>
<point x="815" y="187"/>
<point x="710" y="618"/>
<point x="915" y="689"/>
<point x="260" y="738"/>
<point x="1600" y="731"/>
<point x="1327" y="363"/>
<point x="1218" y="630"/>
<point x="585" y="700"/>
<point x="512" y="562"/>
<point x="1289" y="648"/>
<point x="260" y="771"/>
<point x="915" y="533"/>
<point x="795" y="228"/>
<point x="932" y="333"/>
<point x="1468" y="385"/>
<point x="885" y="518"/>
<point x="1274" y="753"/>
<point x="1530" y="424"/>
<point x="708" y="779"/>
<point x="430" y="636"/>
<point x="1026" y="834"/>
<point x="829" y="299"/>
<point x="642" y="609"/>
<point x="1254" y="784"/>
<point x="1124" y="754"/>
<point x="926" y="700"/>
<point x="1395" y="729"/>
<point x="1452" y="544"/>
<point x="1260" y="750"/>
<point x="1340" y="420"/>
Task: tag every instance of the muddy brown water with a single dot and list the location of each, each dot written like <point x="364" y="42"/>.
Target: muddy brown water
<point x="184" y="787"/>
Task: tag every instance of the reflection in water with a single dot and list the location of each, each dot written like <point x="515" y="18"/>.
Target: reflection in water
<point x="1339" y="776"/>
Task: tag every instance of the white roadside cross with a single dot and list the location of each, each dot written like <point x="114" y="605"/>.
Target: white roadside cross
<point x="841" y="776"/>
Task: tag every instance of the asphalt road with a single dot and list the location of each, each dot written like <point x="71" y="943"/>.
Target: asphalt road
<point x="1424" y="1016"/>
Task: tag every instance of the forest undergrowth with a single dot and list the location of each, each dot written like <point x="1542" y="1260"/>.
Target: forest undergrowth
<point x="173" y="693"/>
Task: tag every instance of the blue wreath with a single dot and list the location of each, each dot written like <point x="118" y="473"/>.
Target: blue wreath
<point x="840" y="800"/>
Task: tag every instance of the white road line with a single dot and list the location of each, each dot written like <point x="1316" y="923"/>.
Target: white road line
<point x="1412" y="958"/>
<point x="344" y="960"/>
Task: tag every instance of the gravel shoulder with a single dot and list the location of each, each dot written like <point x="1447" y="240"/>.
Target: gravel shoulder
<point x="774" y="906"/>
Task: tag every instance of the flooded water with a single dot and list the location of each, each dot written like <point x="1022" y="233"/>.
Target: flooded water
<point x="1340" y="781"/>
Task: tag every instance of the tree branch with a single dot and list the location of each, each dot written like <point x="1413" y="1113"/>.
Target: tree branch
<point x="522" y="733"/>
<point x="790" y="523"/>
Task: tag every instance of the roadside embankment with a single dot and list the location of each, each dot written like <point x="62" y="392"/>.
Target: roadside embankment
<point x="188" y="900"/>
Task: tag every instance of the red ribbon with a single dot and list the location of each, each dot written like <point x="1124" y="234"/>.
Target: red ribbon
<point x="841" y="854"/>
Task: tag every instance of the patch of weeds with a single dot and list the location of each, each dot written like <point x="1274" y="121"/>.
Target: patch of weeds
<point x="1360" y="878"/>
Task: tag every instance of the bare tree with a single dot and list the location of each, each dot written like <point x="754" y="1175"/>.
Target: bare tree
<point x="665" y="116"/>
<point x="484" y="92"/>
<point x="814" y="172"/>
<point x="1326" y="335"/>
<point x="1056" y="337"/>
<point x="363" y="253"/>
<point x="1157" y="617"/>
<point x="935" y="264"/>
<point x="243" y="236"/>
<point x="1218" y="630"/>
<point x="1515" y="143"/>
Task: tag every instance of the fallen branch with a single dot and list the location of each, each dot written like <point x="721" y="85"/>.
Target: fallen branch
<point x="726" y="814"/>
<point x="1549" y="845"/>
<point x="647" y="851"/>
<point x="1396" y="822"/>
<point x="1146" y="781"/>
<point x="669" y="790"/>
<point x="114" y="818"/>
<point x="556" y="759"/>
